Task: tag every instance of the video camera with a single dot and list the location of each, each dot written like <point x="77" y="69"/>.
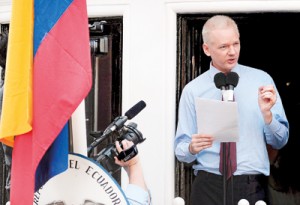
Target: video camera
<point x="118" y="128"/>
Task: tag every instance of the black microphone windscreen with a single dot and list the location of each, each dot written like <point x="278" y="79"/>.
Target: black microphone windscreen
<point x="232" y="78"/>
<point x="220" y="80"/>
<point x="132" y="112"/>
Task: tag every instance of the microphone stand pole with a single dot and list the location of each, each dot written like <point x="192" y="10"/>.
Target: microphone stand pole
<point x="224" y="169"/>
<point x="224" y="172"/>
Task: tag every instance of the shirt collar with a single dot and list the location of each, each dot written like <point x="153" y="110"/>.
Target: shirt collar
<point x="213" y="70"/>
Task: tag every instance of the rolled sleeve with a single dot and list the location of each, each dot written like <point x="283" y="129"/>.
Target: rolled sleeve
<point x="276" y="133"/>
<point x="137" y="196"/>
<point x="183" y="154"/>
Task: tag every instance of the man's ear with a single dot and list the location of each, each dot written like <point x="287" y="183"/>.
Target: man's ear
<point x="206" y="49"/>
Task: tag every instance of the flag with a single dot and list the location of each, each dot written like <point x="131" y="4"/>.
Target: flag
<point x="54" y="161"/>
<point x="53" y="81"/>
<point x="16" y="116"/>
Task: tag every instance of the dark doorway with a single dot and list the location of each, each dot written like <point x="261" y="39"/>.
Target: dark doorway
<point x="268" y="42"/>
<point x="4" y="164"/>
<point x="103" y="103"/>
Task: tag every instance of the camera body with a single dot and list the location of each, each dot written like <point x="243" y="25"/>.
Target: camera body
<point x="106" y="156"/>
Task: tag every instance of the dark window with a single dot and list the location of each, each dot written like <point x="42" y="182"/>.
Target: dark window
<point x="269" y="42"/>
<point x="103" y="103"/>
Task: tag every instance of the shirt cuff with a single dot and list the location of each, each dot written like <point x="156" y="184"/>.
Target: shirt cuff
<point x="273" y="126"/>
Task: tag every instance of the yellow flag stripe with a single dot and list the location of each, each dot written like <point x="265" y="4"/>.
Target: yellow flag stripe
<point x="16" y="115"/>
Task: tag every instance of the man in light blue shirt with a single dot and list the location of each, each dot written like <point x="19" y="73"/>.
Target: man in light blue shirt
<point x="262" y="122"/>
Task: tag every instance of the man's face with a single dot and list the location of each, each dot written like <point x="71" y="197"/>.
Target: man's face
<point x="223" y="47"/>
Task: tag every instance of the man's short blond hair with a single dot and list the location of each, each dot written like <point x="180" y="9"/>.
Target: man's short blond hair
<point x="217" y="22"/>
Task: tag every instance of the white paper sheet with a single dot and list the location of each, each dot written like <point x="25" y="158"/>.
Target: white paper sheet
<point x="218" y="118"/>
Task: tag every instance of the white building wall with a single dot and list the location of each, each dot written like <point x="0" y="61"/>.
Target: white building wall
<point x="149" y="71"/>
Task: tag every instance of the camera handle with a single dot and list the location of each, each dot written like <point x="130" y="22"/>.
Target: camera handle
<point x="96" y="142"/>
<point x="128" y="154"/>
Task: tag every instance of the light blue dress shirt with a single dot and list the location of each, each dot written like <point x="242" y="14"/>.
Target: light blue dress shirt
<point x="137" y="196"/>
<point x="252" y="155"/>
